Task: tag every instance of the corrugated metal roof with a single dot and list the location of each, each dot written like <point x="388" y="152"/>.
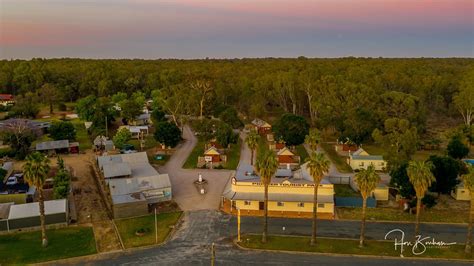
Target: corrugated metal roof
<point x="125" y="186"/>
<point x="32" y="209"/>
<point x="52" y="145"/>
<point x="116" y="169"/>
<point x="368" y="157"/>
<point x="135" y="197"/>
<point x="143" y="117"/>
<point x="260" y="123"/>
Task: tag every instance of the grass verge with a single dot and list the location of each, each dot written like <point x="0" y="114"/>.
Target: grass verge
<point x="146" y="224"/>
<point x="81" y="135"/>
<point x="25" y="248"/>
<point x="348" y="246"/>
<point x="233" y="155"/>
<point x="338" y="161"/>
<point x="391" y="214"/>
<point x="301" y="151"/>
<point x="191" y="161"/>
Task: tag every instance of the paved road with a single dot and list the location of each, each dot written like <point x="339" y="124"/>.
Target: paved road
<point x="184" y="190"/>
<point x="349" y="229"/>
<point x="191" y="246"/>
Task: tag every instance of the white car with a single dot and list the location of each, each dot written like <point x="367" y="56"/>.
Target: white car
<point x="12" y="180"/>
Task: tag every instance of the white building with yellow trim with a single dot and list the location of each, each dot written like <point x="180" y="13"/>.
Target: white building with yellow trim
<point x="361" y="159"/>
<point x="290" y="194"/>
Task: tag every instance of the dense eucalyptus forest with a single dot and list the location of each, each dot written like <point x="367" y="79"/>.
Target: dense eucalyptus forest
<point x="353" y="96"/>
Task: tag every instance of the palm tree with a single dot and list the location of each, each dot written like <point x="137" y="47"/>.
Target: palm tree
<point x="421" y="177"/>
<point x="468" y="180"/>
<point x="367" y="180"/>
<point x="266" y="167"/>
<point x="313" y="139"/>
<point x="36" y="171"/>
<point x="252" y="143"/>
<point x="318" y="164"/>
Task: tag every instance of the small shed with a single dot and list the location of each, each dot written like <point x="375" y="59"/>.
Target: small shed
<point x="261" y="126"/>
<point x="143" y="119"/>
<point x="58" y="146"/>
<point x="212" y="155"/>
<point x="28" y="215"/>
<point x="461" y="193"/>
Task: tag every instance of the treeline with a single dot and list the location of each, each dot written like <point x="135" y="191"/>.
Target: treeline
<point x="351" y="95"/>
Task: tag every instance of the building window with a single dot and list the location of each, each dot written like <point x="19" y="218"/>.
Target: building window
<point x="247" y="202"/>
<point x="361" y="164"/>
<point x="320" y="205"/>
<point x="280" y="204"/>
<point x="301" y="204"/>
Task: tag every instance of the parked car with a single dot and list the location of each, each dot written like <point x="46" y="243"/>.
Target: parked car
<point x="128" y="148"/>
<point x="12" y="180"/>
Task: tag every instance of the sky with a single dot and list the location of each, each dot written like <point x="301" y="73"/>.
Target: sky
<point x="235" y="28"/>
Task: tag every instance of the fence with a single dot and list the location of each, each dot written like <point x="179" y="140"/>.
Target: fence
<point x="354" y="202"/>
<point x="343" y="180"/>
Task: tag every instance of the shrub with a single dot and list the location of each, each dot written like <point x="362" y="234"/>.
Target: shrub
<point x="60" y="130"/>
<point x="62" y="107"/>
<point x="122" y="137"/>
<point x="456" y="148"/>
<point x="429" y="201"/>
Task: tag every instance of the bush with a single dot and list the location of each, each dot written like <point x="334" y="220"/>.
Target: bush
<point x="456" y="148"/>
<point x="292" y="129"/>
<point x="167" y="133"/>
<point x="231" y="117"/>
<point x="62" y="107"/>
<point x="122" y="137"/>
<point x="157" y="115"/>
<point x="429" y="201"/>
<point x="61" y="130"/>
<point x="7" y="153"/>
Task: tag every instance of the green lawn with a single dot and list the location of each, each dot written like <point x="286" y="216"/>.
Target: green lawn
<point x="262" y="146"/>
<point x="128" y="228"/>
<point x="25" y="248"/>
<point x="345" y="191"/>
<point x="233" y="155"/>
<point x="301" y="151"/>
<point x="420" y="155"/>
<point x="150" y="142"/>
<point x="81" y="135"/>
<point x="347" y="246"/>
<point x="198" y="150"/>
<point x="338" y="161"/>
<point x="391" y="214"/>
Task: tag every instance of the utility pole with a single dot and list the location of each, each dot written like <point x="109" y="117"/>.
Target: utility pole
<point x="213" y="255"/>
<point x="238" y="225"/>
<point x="156" y="228"/>
<point x="106" y="128"/>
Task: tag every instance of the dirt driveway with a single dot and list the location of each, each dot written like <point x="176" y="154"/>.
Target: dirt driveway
<point x="89" y="205"/>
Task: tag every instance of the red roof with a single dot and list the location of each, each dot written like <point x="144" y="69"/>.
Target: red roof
<point x="286" y="159"/>
<point x="6" y="97"/>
